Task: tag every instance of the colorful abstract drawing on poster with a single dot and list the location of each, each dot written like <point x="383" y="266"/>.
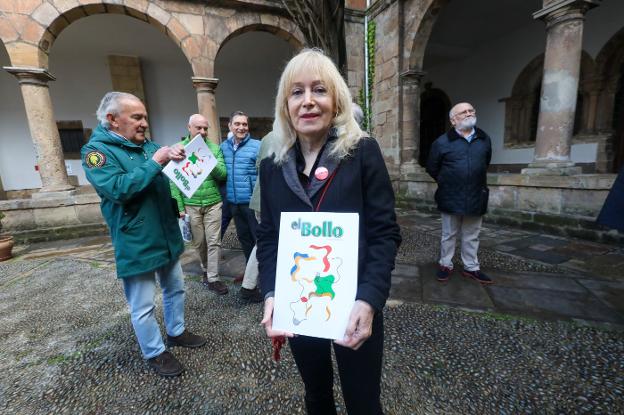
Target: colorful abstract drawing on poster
<point x="190" y="173"/>
<point x="316" y="276"/>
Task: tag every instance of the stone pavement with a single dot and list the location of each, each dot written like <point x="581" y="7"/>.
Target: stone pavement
<point x="571" y="279"/>
<point x="536" y="275"/>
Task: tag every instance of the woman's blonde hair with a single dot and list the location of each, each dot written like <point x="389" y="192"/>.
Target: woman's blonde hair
<point x="314" y="61"/>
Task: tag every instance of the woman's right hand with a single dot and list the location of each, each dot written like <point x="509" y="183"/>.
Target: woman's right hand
<point x="267" y="320"/>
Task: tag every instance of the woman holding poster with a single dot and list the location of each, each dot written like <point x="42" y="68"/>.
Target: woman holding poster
<point x="321" y="161"/>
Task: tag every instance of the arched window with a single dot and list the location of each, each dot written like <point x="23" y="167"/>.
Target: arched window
<point x="522" y="108"/>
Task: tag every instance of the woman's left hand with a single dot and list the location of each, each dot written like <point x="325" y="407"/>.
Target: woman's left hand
<point x="360" y="326"/>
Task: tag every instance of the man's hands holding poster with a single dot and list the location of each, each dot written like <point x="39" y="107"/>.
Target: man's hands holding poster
<point x="164" y="154"/>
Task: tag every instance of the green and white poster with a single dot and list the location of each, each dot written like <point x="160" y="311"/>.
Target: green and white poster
<point x="316" y="274"/>
<point x="190" y="173"/>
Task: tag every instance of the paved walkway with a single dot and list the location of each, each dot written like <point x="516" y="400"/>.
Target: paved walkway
<point x="535" y="275"/>
<point x="577" y="280"/>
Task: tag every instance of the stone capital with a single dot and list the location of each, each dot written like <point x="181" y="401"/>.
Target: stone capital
<point x="30" y="75"/>
<point x="412" y="77"/>
<point x="560" y="11"/>
<point x="202" y="84"/>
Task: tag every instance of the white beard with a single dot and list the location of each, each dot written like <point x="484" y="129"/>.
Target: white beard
<point x="467" y="123"/>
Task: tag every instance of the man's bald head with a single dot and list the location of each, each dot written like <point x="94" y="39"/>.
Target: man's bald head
<point x="198" y="124"/>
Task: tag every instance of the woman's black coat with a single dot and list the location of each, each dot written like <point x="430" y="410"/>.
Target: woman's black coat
<point x="361" y="185"/>
<point x="612" y="213"/>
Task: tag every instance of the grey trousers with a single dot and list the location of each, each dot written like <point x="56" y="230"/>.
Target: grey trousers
<point x="468" y="227"/>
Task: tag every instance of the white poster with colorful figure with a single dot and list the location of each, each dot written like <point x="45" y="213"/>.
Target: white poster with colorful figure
<point x="316" y="274"/>
<point x="191" y="172"/>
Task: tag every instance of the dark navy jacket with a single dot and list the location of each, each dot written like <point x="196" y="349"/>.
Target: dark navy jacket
<point x="361" y="184"/>
<point x="241" y="168"/>
<point x="460" y="169"/>
<point x="612" y="213"/>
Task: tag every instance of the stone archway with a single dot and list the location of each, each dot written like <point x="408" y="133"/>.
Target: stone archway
<point x="610" y="98"/>
<point x="618" y="124"/>
<point x="151" y="13"/>
<point x="290" y="34"/>
<point x="434" y="120"/>
<point x="244" y="86"/>
<point x="419" y="18"/>
<point x="252" y="58"/>
<point x="420" y="30"/>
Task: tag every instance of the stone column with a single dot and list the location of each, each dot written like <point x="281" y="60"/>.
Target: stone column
<point x="34" y="85"/>
<point x="207" y="105"/>
<point x="562" y="64"/>
<point x="410" y="122"/>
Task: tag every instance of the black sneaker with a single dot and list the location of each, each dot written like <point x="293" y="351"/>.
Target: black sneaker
<point x="218" y="287"/>
<point x="478" y="276"/>
<point x="165" y="364"/>
<point x="444" y="273"/>
<point x="253" y="296"/>
<point x="186" y="339"/>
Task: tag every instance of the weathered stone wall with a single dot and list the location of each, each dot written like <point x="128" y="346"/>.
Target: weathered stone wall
<point x="385" y="100"/>
<point x="48" y="219"/>
<point x="126" y="75"/>
<point x="354" y="34"/>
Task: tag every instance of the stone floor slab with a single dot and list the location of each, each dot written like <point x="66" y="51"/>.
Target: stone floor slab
<point x="405" y="270"/>
<point x="548" y="257"/>
<point x="406" y="289"/>
<point x="610" y="292"/>
<point x="503" y="248"/>
<point x="553" y="304"/>
<point x="458" y="290"/>
<point x="541" y="247"/>
<point x="539" y="281"/>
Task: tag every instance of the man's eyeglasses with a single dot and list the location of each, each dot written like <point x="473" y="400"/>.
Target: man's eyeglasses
<point x="465" y="113"/>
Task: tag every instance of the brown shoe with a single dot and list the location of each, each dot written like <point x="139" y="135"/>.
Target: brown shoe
<point x="186" y="339"/>
<point x="218" y="287"/>
<point x="165" y="364"/>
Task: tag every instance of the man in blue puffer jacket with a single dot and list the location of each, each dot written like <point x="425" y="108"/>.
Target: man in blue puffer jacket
<point x="240" y="152"/>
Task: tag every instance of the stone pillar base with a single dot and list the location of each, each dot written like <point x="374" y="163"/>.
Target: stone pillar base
<point x="410" y="169"/>
<point x="552" y="169"/>
<point x="55" y="194"/>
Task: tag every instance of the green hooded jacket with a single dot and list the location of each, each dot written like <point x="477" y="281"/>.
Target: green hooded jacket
<point x="136" y="202"/>
<point x="208" y="192"/>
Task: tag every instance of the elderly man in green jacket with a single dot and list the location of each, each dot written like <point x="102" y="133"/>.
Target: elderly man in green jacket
<point x="204" y="209"/>
<point x="124" y="167"/>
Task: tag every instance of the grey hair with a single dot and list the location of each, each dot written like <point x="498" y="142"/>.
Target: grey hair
<point x="236" y="114"/>
<point x="358" y="114"/>
<point x="110" y="105"/>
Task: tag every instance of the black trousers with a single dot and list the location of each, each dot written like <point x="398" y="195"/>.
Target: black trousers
<point x="246" y="225"/>
<point x="359" y="370"/>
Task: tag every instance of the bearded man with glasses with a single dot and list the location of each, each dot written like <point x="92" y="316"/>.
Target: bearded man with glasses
<point x="458" y="162"/>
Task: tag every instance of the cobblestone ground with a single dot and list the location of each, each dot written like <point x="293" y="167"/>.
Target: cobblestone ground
<point x="67" y="347"/>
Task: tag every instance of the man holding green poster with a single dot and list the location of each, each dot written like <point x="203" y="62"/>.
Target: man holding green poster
<point x="204" y="209"/>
